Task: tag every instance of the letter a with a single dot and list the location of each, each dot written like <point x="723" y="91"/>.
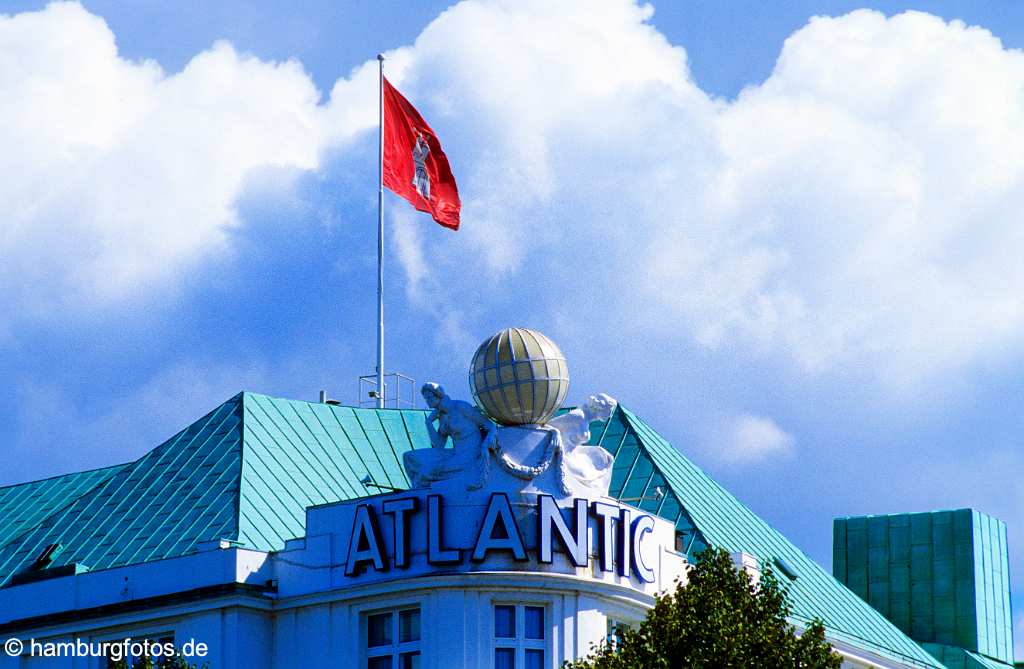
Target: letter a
<point x="499" y="514"/>
<point x="365" y="544"/>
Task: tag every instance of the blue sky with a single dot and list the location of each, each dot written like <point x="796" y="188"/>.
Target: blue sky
<point x="790" y="245"/>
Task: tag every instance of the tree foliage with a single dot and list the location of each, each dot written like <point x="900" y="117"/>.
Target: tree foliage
<point x="718" y="620"/>
<point x="149" y="663"/>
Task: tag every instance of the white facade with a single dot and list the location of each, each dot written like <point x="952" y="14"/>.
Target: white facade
<point x="297" y="607"/>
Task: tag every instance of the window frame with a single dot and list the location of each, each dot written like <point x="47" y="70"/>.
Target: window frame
<point x="519" y="643"/>
<point x="396" y="648"/>
<point x="620" y="616"/>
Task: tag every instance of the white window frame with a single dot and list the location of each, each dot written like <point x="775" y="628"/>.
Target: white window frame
<point x="397" y="647"/>
<point x="520" y="644"/>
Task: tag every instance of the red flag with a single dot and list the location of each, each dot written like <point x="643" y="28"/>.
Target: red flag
<point x="415" y="167"/>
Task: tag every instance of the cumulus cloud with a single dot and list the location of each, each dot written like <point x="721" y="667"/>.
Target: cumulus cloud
<point x="855" y="211"/>
<point x="749" y="440"/>
<point x="882" y="159"/>
<point x="115" y="175"/>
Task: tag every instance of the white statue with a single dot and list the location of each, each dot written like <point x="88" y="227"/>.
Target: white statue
<point x="472" y="436"/>
<point x="557" y="460"/>
<point x="587" y="469"/>
<point x="560" y="463"/>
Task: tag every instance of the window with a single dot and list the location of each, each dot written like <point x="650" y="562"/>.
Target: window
<point x="519" y="636"/>
<point x="614" y="631"/>
<point x="393" y="639"/>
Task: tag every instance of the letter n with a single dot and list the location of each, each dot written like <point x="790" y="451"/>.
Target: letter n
<point x="550" y="521"/>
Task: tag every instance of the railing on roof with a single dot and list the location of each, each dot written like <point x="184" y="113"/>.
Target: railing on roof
<point x="399" y="391"/>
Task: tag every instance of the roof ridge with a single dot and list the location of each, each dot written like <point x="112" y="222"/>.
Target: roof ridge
<point x="65" y="474"/>
<point x="917" y="513"/>
<point x="277" y="398"/>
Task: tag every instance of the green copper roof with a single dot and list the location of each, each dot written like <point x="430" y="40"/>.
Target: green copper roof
<point x="247" y="471"/>
<point x="182" y="492"/>
<point x="244" y="472"/>
<point x="298" y="454"/>
<point x="955" y="657"/>
<point x="24" y="506"/>
<point x="712" y="516"/>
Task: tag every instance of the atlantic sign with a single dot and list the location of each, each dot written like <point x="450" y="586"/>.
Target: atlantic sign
<point x="619" y="533"/>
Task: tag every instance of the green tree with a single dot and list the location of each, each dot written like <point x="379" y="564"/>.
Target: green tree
<point x="718" y="620"/>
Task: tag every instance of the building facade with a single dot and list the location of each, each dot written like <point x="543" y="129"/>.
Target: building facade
<point x="283" y="533"/>
<point x="942" y="577"/>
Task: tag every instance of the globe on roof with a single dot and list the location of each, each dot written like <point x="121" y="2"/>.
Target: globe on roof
<point x="519" y="377"/>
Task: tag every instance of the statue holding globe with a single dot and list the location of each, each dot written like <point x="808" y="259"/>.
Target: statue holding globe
<point x="520" y="380"/>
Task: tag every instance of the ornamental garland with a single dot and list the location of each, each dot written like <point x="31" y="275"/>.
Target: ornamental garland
<point x="552" y="450"/>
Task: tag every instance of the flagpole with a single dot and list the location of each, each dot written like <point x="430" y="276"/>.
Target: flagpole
<point x="380" y="235"/>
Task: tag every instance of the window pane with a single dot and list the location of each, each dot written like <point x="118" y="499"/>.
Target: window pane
<point x="378" y="630"/>
<point x="379" y="662"/>
<point x="409" y="660"/>
<point x="504" y="658"/>
<point x="534" y="622"/>
<point x="505" y="622"/>
<point x="409" y="625"/>
<point x="534" y="659"/>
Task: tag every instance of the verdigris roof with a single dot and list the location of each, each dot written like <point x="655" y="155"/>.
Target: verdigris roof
<point x="25" y="505"/>
<point x="244" y="472"/>
<point x="710" y="515"/>
<point x="940" y="576"/>
<point x="959" y="658"/>
<point x="247" y="471"/>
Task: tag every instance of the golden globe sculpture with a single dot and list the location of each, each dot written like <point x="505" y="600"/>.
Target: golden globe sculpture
<point x="519" y="377"/>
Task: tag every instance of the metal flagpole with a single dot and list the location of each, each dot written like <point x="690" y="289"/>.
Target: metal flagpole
<point x="380" y="238"/>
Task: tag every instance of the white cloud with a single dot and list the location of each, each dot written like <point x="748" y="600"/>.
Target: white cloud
<point x="855" y="211"/>
<point x="115" y="175"/>
<point x="749" y="440"/>
<point x="407" y="235"/>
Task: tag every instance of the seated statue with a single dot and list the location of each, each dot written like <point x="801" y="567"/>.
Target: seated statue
<point x="587" y="469"/>
<point x="472" y="436"/>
